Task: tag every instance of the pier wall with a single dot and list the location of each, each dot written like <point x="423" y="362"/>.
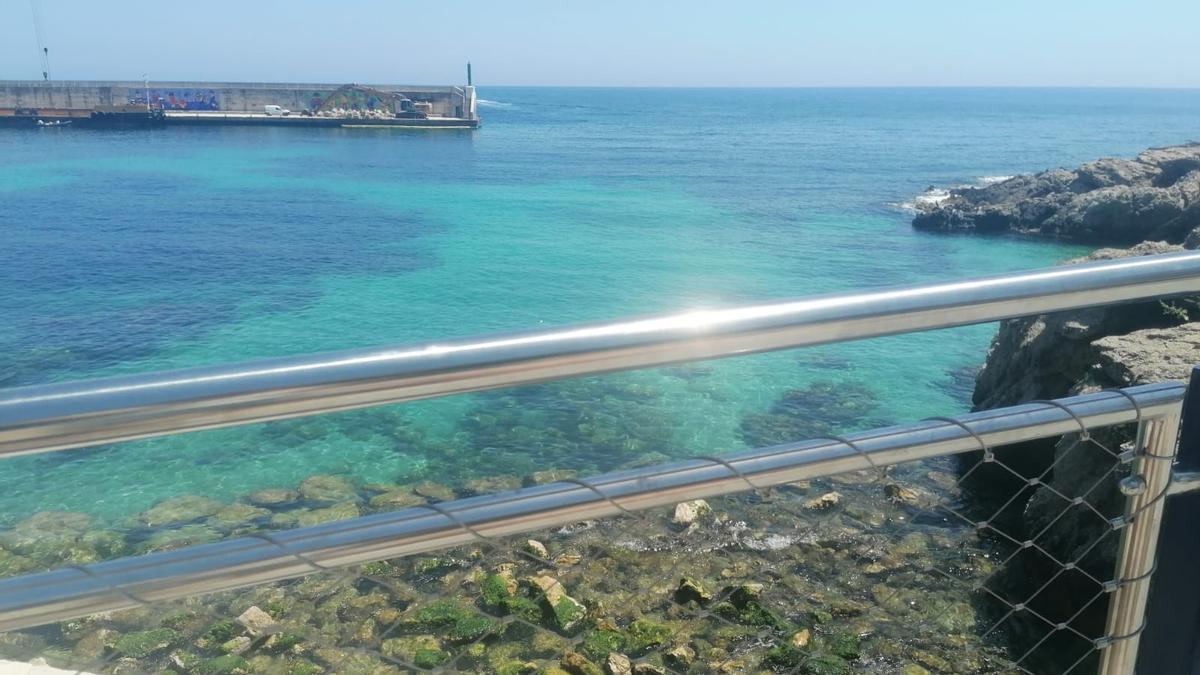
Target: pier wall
<point x="224" y="96"/>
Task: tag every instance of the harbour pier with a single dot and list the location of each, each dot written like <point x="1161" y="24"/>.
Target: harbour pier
<point x="31" y="103"/>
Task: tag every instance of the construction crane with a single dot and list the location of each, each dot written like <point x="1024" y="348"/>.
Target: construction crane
<point x="43" y="50"/>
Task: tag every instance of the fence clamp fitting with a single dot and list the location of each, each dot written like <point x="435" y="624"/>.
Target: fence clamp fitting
<point x="1131" y="486"/>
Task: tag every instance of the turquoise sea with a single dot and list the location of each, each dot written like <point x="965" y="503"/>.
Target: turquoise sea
<point x="140" y="250"/>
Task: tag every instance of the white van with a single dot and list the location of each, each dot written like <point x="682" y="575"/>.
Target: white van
<point x="276" y="111"/>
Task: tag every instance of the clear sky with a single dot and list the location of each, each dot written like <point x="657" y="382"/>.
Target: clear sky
<point x="1150" y="43"/>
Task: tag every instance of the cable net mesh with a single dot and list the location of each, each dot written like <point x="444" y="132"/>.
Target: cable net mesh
<point x="973" y="564"/>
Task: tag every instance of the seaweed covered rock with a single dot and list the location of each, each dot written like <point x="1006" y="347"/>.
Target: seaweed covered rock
<point x="490" y="485"/>
<point x="592" y="424"/>
<point x="144" y="643"/>
<point x="239" y="516"/>
<point x="433" y="491"/>
<point x="568" y="613"/>
<point x="819" y="409"/>
<point x="452" y="621"/>
<point x="690" y="590"/>
<point x="328" y="489"/>
<point x="396" y="498"/>
<point x="169" y="540"/>
<point x="273" y="497"/>
<point x="182" y="509"/>
<point x="51" y="538"/>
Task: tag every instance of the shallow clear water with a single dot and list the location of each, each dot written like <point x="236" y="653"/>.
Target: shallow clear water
<point x="131" y="251"/>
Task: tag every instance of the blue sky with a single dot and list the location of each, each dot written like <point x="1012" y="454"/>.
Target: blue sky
<point x="615" y="42"/>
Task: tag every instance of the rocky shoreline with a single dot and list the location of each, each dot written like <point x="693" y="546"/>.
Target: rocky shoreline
<point x="846" y="574"/>
<point x="1153" y="197"/>
<point x="1151" y="204"/>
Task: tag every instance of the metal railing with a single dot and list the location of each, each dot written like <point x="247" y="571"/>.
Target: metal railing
<point x="74" y="414"/>
<point x="58" y="416"/>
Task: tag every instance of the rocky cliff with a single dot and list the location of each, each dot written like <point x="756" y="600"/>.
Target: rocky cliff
<point x="1153" y="197"/>
<point x="1152" y="202"/>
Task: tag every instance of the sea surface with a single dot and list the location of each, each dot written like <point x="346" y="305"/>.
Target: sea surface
<point x="132" y="251"/>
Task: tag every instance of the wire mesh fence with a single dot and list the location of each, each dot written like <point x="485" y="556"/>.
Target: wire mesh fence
<point x="975" y="564"/>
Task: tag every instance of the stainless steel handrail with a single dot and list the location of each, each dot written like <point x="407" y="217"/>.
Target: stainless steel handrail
<point x="58" y="416"/>
<point x="79" y="591"/>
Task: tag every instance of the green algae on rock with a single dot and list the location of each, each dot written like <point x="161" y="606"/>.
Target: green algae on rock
<point x="183" y="509"/>
<point x="817" y="410"/>
<point x="324" y="488"/>
<point x="626" y="596"/>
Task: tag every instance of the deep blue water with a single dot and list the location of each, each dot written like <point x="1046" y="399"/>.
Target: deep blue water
<point x="138" y="250"/>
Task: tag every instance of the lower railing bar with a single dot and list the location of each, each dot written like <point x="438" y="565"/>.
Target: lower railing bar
<point x="1184" y="482"/>
<point x="119" y="584"/>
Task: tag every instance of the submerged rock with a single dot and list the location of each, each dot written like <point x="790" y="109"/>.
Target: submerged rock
<point x="567" y="559"/>
<point x="550" y="476"/>
<point x="273" y="497"/>
<point x="690" y="590"/>
<point x="434" y="491"/>
<point x="330" y="489"/>
<point x="406" y="648"/>
<point x="183" y="509"/>
<point x="336" y="512"/>
<point x="535" y="548"/>
<point x="801" y="638"/>
<point x="825" y="501"/>
<point x="52" y="538"/>
<point x="144" y="643"/>
<point x="238" y="515"/>
<point x="687" y="513"/>
<point x="188" y="535"/>
<point x="55" y="526"/>
<point x="618" y="664"/>
<point x="578" y="664"/>
<point x="491" y="485"/>
<point x="820" y="409"/>
<point x="396" y="499"/>
<point x="256" y="621"/>
<point x="568" y="612"/>
<point x="453" y="621"/>
<point x="908" y="496"/>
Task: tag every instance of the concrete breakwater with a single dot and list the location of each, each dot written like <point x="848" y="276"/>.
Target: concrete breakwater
<point x="240" y="102"/>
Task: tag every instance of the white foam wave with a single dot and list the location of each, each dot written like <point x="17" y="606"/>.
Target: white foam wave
<point x="927" y="199"/>
<point x="990" y="180"/>
<point x="934" y="196"/>
<point x="487" y="103"/>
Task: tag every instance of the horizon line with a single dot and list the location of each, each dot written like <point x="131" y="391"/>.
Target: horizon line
<point x="660" y="86"/>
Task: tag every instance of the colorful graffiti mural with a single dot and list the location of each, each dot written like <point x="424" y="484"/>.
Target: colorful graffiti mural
<point x="177" y="99"/>
<point x="356" y="97"/>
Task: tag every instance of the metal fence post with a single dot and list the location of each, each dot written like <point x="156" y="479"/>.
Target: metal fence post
<point x="1139" y="544"/>
<point x="1170" y="644"/>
